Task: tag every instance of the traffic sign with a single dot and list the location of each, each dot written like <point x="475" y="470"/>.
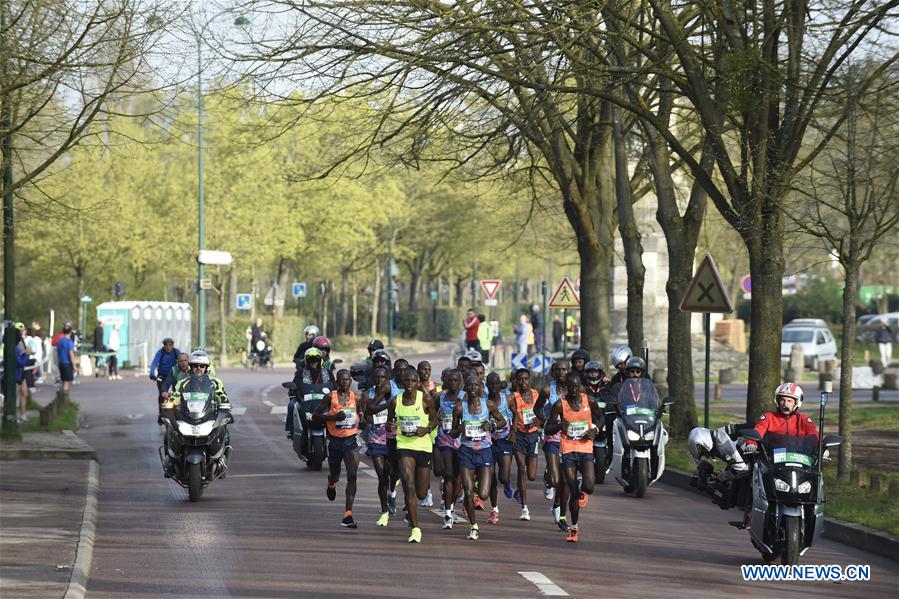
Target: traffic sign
<point x="565" y="296"/>
<point x="746" y="284"/>
<point x="244" y="301"/>
<point x="541" y="363"/>
<point x="205" y="283"/>
<point x="490" y="287"/>
<point x="706" y="292"/>
<point x="519" y="361"/>
<point x="298" y="290"/>
<point x="275" y="296"/>
<point x="86" y="299"/>
<point x="490" y="301"/>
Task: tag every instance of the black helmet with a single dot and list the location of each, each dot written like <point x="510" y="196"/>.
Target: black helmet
<point x="374" y="345"/>
<point x="636" y="363"/>
<point x="580" y="354"/>
<point x="594" y="366"/>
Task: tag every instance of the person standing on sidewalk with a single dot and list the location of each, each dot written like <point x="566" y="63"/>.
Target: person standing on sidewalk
<point x="557" y="333"/>
<point x="65" y="357"/>
<point x="114" y="345"/>
<point x="98" y="346"/>
<point x="471" y="324"/>
<point x="485" y="338"/>
<point x="884" y="339"/>
<point x="522" y="333"/>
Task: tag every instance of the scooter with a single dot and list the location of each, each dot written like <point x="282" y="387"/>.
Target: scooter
<point x="260" y="355"/>
<point x="309" y="439"/>
<point x="787" y="513"/>
<point x="638" y="455"/>
<point x="197" y="446"/>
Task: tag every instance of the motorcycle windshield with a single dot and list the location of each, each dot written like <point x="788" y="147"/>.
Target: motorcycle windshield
<point x="638" y="398"/>
<point x="792" y="450"/>
<point x="313" y="394"/>
<point x="198" y="397"/>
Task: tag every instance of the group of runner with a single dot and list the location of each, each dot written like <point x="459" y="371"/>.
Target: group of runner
<point x="467" y="430"/>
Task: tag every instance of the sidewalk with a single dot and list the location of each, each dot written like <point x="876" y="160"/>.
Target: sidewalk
<point x="44" y="486"/>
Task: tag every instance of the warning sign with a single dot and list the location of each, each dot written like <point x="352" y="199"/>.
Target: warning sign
<point x="565" y="296"/>
<point x="490" y="287"/>
<point x="706" y="292"/>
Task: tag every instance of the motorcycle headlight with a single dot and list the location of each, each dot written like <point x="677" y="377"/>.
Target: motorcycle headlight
<point x="649" y="435"/>
<point x="633" y="436"/>
<point x="309" y="416"/>
<point x="805" y="488"/>
<point x="781" y="485"/>
<point x="195" y="430"/>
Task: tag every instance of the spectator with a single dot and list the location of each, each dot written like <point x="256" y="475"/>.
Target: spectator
<point x="114" y="345"/>
<point x="537" y="323"/>
<point x="557" y="333"/>
<point x="23" y="356"/>
<point x="35" y="348"/>
<point x="471" y="324"/>
<point x="884" y="339"/>
<point x="256" y="332"/>
<point x="98" y="346"/>
<point x="485" y="338"/>
<point x="571" y="329"/>
<point x="523" y="332"/>
<point x="65" y="356"/>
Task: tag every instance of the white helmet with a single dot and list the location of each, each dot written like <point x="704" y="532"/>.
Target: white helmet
<point x="474" y="356"/>
<point x="791" y="390"/>
<point x="699" y="444"/>
<point x="198" y="356"/>
<point x="620" y="354"/>
<point x="312" y="330"/>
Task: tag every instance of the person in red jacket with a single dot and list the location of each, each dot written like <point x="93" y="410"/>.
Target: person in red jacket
<point x="471" y="324"/>
<point x="786" y="420"/>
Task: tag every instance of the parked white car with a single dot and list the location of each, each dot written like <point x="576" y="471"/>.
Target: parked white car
<point x="818" y="344"/>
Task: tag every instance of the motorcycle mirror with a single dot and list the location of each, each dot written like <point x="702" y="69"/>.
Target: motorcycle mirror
<point x="668" y="401"/>
<point x="289" y="385"/>
<point x="833" y="440"/>
<point x="337" y="361"/>
<point x="751" y="434"/>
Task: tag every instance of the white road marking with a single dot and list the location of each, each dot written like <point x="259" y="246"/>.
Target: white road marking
<point x="238" y="411"/>
<point x="544" y="584"/>
<point x="135" y="416"/>
<point x="279" y="410"/>
<point x="272" y="474"/>
<point x="268" y="403"/>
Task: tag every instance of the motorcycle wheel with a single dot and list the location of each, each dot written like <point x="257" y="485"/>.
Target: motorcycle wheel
<point x="318" y="453"/>
<point x="194" y="482"/>
<point x="642" y="476"/>
<point x="792" y="538"/>
<point x="599" y="466"/>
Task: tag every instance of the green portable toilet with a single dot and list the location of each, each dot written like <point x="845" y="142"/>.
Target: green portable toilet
<point x="144" y="324"/>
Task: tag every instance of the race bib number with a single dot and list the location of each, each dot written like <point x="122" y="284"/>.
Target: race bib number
<point x="577" y="430"/>
<point x="409" y="425"/>
<point x="474" y="429"/>
<point x="349" y="420"/>
<point x="782" y="456"/>
<point x="379" y="418"/>
<point x="446" y="422"/>
<point x="527" y="415"/>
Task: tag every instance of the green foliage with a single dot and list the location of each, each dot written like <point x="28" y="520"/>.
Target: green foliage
<point x="66" y="420"/>
<point x="823" y="299"/>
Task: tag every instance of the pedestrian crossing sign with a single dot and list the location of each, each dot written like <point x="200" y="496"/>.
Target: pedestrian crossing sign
<point x="565" y="296"/>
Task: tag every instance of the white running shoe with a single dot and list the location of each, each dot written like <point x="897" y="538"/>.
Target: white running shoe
<point x="549" y="493"/>
<point x="447" y="522"/>
<point x="525" y="514"/>
<point x="556" y="511"/>
<point x="427" y="501"/>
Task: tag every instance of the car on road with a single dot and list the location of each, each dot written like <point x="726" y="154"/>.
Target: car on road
<point x="818" y="343"/>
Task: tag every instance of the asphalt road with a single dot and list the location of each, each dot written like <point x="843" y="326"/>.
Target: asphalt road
<point x="267" y="530"/>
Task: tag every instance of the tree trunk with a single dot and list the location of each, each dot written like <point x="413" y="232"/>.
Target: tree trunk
<point x="253" y="292"/>
<point x="355" y="306"/>
<point x="630" y="239"/>
<point x="344" y="302"/>
<point x="323" y="309"/>
<point x="460" y="290"/>
<point x="596" y="288"/>
<point x="766" y="265"/>
<point x="79" y="277"/>
<point x="414" y="283"/>
<point x="850" y="299"/>
<point x="223" y="309"/>
<point x="232" y="293"/>
<point x="680" y="340"/>
<point x="375" y="301"/>
<point x="284" y="266"/>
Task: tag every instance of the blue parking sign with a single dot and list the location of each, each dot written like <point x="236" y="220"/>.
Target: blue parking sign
<point x="244" y="301"/>
<point x="299" y="290"/>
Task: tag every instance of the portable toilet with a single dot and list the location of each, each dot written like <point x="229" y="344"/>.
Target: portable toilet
<point x="144" y="324"/>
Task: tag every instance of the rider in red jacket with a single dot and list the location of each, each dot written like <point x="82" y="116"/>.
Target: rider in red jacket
<point x="786" y="420"/>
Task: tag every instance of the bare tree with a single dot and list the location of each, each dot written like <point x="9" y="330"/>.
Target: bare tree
<point x="849" y="202"/>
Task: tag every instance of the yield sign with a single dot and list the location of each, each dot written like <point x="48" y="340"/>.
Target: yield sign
<point x="565" y="296"/>
<point x="490" y="287"/>
<point x="706" y="292"/>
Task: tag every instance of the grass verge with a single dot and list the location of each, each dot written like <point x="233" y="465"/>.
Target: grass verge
<point x="66" y="419"/>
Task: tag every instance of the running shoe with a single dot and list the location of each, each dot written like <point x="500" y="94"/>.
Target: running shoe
<point x="427" y="501"/>
<point x="447" y="522"/>
<point x="582" y="500"/>
<point x="556" y="511"/>
<point x="508" y="491"/>
<point x="563" y="524"/>
<point x="493" y="518"/>
<point x="473" y="533"/>
<point x="331" y="491"/>
<point x="478" y="504"/>
<point x="415" y="537"/>
<point x="525" y="514"/>
<point x="348" y="521"/>
<point x="407" y="521"/>
<point x="549" y="492"/>
<point x="517" y="496"/>
<point x="383" y="520"/>
<point x="457" y="518"/>
<point x="391" y="503"/>
<point x="572" y="535"/>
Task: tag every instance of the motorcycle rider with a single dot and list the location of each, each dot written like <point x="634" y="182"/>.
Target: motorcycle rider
<point x="311" y="373"/>
<point x="179" y="373"/>
<point x="596" y="385"/>
<point x="786" y="420"/>
<point x="634" y="368"/>
<point x="310" y="332"/>
<point x="618" y="359"/>
<point x="163" y="362"/>
<point x="579" y="359"/>
<point x="323" y="344"/>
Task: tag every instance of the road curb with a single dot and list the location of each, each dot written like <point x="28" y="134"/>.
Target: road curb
<point x="84" y="552"/>
<point x="848" y="533"/>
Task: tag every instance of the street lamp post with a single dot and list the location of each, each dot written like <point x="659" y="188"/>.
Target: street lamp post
<point x="10" y="426"/>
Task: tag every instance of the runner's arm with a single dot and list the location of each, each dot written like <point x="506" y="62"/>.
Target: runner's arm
<point x="554" y="422"/>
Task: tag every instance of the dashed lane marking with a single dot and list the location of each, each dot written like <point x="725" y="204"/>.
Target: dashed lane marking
<point x="238" y="411"/>
<point x="544" y="584"/>
<point x="279" y="410"/>
<point x="268" y="403"/>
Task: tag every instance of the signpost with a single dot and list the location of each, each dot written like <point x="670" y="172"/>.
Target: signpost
<point x="706" y="294"/>
<point x="565" y="297"/>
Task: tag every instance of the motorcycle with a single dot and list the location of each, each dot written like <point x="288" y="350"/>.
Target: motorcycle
<point x="638" y="455"/>
<point x="260" y="355"/>
<point x="787" y="513"/>
<point x="309" y="439"/>
<point x="197" y="446"/>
